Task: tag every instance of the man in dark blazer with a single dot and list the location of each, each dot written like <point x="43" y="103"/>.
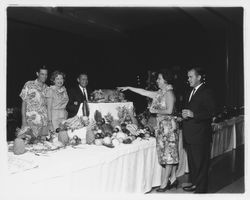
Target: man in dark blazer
<point x="197" y="131"/>
<point x="77" y="95"/>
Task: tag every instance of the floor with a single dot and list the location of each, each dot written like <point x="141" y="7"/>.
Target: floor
<point x="236" y="187"/>
<point x="226" y="174"/>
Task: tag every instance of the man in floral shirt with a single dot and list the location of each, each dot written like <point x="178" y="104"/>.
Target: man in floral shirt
<point x="34" y="106"/>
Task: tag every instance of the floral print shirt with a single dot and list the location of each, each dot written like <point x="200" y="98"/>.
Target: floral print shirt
<point x="33" y="93"/>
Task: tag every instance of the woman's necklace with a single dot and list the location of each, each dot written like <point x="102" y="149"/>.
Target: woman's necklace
<point x="59" y="91"/>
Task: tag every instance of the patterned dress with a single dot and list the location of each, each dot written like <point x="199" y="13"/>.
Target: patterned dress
<point x="33" y="93"/>
<point x="59" y="101"/>
<point x="166" y="132"/>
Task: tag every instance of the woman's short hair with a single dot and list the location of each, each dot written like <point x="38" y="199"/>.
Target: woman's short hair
<point x="55" y="74"/>
<point x="167" y="75"/>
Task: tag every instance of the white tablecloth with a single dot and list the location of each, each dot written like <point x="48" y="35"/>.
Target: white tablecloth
<point x="105" y="108"/>
<point x="227" y="136"/>
<point x="128" y="168"/>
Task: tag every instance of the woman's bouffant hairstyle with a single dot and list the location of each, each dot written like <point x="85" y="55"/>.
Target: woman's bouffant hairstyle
<point x="167" y="75"/>
<point x="55" y="74"/>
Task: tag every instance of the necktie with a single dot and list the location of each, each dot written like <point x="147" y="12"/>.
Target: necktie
<point x="192" y="94"/>
<point x="85" y="93"/>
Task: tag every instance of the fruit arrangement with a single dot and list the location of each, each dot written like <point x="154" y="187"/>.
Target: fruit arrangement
<point x="75" y="140"/>
<point x="73" y="123"/>
<point x="27" y="141"/>
<point x="105" y="131"/>
<point x="111" y="133"/>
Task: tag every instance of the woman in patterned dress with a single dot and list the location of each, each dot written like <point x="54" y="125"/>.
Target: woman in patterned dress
<point x="167" y="129"/>
<point x="34" y="107"/>
<point x="57" y="99"/>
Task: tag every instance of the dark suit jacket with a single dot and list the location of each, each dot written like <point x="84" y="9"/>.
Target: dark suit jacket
<point x="76" y="97"/>
<point x="198" y="130"/>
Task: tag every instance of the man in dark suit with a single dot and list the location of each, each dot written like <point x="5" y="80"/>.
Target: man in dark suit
<point x="197" y="130"/>
<point x="77" y="95"/>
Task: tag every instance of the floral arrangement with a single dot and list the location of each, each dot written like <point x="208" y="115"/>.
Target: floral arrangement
<point x="107" y="95"/>
<point x="109" y="118"/>
<point x="124" y="114"/>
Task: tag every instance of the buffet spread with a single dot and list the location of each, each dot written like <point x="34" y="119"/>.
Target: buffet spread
<point x="108" y="119"/>
<point x="106" y="149"/>
<point x="107" y="134"/>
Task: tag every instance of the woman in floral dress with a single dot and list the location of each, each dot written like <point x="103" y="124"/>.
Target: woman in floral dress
<point x="57" y="99"/>
<point x="167" y="129"/>
<point x="34" y="107"/>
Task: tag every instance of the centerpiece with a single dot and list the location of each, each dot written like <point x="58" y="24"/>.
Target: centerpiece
<point x="110" y="132"/>
<point x="107" y="96"/>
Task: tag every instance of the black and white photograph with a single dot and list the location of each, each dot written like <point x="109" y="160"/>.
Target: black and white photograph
<point x="124" y="100"/>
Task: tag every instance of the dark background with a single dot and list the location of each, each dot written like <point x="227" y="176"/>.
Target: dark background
<point x="115" y="45"/>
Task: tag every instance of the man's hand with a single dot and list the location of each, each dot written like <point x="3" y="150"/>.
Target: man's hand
<point x="187" y="113"/>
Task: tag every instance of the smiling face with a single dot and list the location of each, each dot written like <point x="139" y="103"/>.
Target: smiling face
<point x="42" y="75"/>
<point x="193" y="78"/>
<point x="59" y="80"/>
<point x="83" y="80"/>
<point x="161" y="82"/>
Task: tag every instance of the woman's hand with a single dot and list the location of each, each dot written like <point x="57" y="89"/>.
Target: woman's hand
<point x="123" y="88"/>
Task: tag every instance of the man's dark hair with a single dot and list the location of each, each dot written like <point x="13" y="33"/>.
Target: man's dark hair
<point x="43" y="67"/>
<point x="199" y="71"/>
<point x="82" y="74"/>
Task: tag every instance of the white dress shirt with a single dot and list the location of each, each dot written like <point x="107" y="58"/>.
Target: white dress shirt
<point x="84" y="91"/>
<point x="193" y="92"/>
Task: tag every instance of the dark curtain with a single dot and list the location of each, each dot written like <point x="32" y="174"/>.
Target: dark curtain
<point x="235" y="85"/>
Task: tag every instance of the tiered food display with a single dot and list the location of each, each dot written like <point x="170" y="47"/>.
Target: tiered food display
<point x="102" y="130"/>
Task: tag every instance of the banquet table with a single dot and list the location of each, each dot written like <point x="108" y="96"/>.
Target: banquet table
<point x="112" y="108"/>
<point x="228" y="135"/>
<point x="127" y="168"/>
